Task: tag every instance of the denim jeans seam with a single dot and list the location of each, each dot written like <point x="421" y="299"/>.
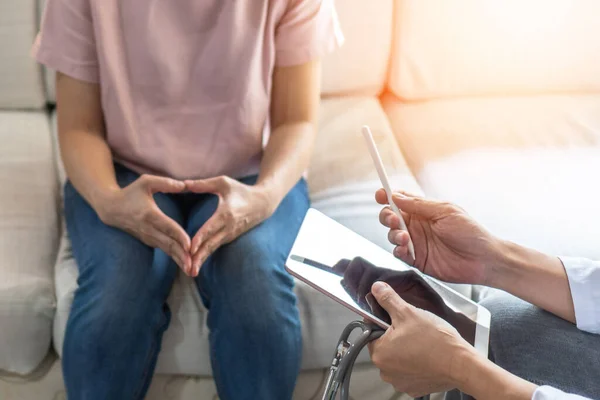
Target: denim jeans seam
<point x="148" y="363"/>
<point x="138" y="393"/>
<point x="216" y="375"/>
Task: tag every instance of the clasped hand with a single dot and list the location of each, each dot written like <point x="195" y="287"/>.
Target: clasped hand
<point x="133" y="209"/>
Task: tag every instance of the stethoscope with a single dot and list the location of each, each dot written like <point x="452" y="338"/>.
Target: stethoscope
<point x="345" y="356"/>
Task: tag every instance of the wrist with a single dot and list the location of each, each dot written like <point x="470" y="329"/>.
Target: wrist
<point x="482" y="379"/>
<point x="103" y="201"/>
<point x="508" y="264"/>
<point x="514" y="263"/>
<point x="464" y="361"/>
<point x="268" y="197"/>
<point x="503" y="263"/>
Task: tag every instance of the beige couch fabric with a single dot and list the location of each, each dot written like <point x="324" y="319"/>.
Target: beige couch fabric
<point x="433" y="130"/>
<point x="341" y="155"/>
<point x="47" y="384"/>
<point x="20" y="79"/>
<point x="28" y="240"/>
<point x="360" y="66"/>
<point x="488" y="47"/>
<point x="526" y="167"/>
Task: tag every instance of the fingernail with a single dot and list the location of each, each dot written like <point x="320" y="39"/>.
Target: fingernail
<point x="378" y="287"/>
<point x="399" y="196"/>
<point x="388" y="220"/>
<point x="369" y="299"/>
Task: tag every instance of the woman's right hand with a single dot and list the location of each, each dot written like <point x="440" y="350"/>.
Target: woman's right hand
<point x="133" y="210"/>
<point x="449" y="244"/>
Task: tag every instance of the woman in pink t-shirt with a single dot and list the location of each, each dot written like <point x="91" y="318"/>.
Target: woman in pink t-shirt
<point x="185" y="128"/>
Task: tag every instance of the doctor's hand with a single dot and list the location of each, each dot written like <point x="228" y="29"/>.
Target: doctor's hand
<point x="449" y="244"/>
<point x="420" y="353"/>
<point x="241" y="207"/>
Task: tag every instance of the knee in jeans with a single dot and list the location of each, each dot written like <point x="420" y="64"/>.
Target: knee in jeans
<point x="249" y="287"/>
<point x="255" y="302"/>
<point x="128" y="275"/>
<point x="253" y="260"/>
<point x="252" y="320"/>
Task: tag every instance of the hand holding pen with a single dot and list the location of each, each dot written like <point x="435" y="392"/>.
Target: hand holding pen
<point x="366" y="131"/>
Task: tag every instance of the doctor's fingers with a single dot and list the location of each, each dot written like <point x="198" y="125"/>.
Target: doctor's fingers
<point x="389" y="219"/>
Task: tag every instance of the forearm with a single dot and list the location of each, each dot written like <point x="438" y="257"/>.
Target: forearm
<point x="89" y="166"/>
<point x="85" y="153"/>
<point x="293" y="116"/>
<point x="484" y="380"/>
<point x="534" y="277"/>
<point x="285" y="159"/>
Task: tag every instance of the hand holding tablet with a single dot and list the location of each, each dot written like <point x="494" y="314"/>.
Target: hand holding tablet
<point x="343" y="265"/>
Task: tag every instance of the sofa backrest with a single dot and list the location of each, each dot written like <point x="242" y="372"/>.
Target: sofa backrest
<point x="360" y="66"/>
<point x="490" y="47"/>
<point x="21" y="82"/>
<point x="521" y="47"/>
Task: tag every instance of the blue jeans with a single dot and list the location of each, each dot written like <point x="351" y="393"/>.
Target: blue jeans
<point x="119" y="311"/>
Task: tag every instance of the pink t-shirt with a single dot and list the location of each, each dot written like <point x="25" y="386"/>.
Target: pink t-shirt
<point x="185" y="84"/>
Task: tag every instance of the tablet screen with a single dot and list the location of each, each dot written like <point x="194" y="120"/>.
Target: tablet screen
<point x="351" y="280"/>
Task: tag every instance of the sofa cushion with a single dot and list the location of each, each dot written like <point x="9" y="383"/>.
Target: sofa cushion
<point x="49" y="384"/>
<point x="20" y="78"/>
<point x="525" y="167"/>
<point x="360" y="66"/>
<point x="28" y="240"/>
<point x="474" y="47"/>
<point x="341" y="155"/>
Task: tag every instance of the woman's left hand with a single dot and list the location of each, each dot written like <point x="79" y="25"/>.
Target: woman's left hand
<point x="241" y="208"/>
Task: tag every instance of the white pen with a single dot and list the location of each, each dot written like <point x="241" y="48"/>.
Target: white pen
<point x="366" y="131"/>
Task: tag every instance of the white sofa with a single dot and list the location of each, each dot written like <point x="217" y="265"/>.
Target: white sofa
<point x="493" y="105"/>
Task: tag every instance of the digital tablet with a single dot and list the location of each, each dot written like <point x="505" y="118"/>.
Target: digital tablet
<point x="321" y="244"/>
